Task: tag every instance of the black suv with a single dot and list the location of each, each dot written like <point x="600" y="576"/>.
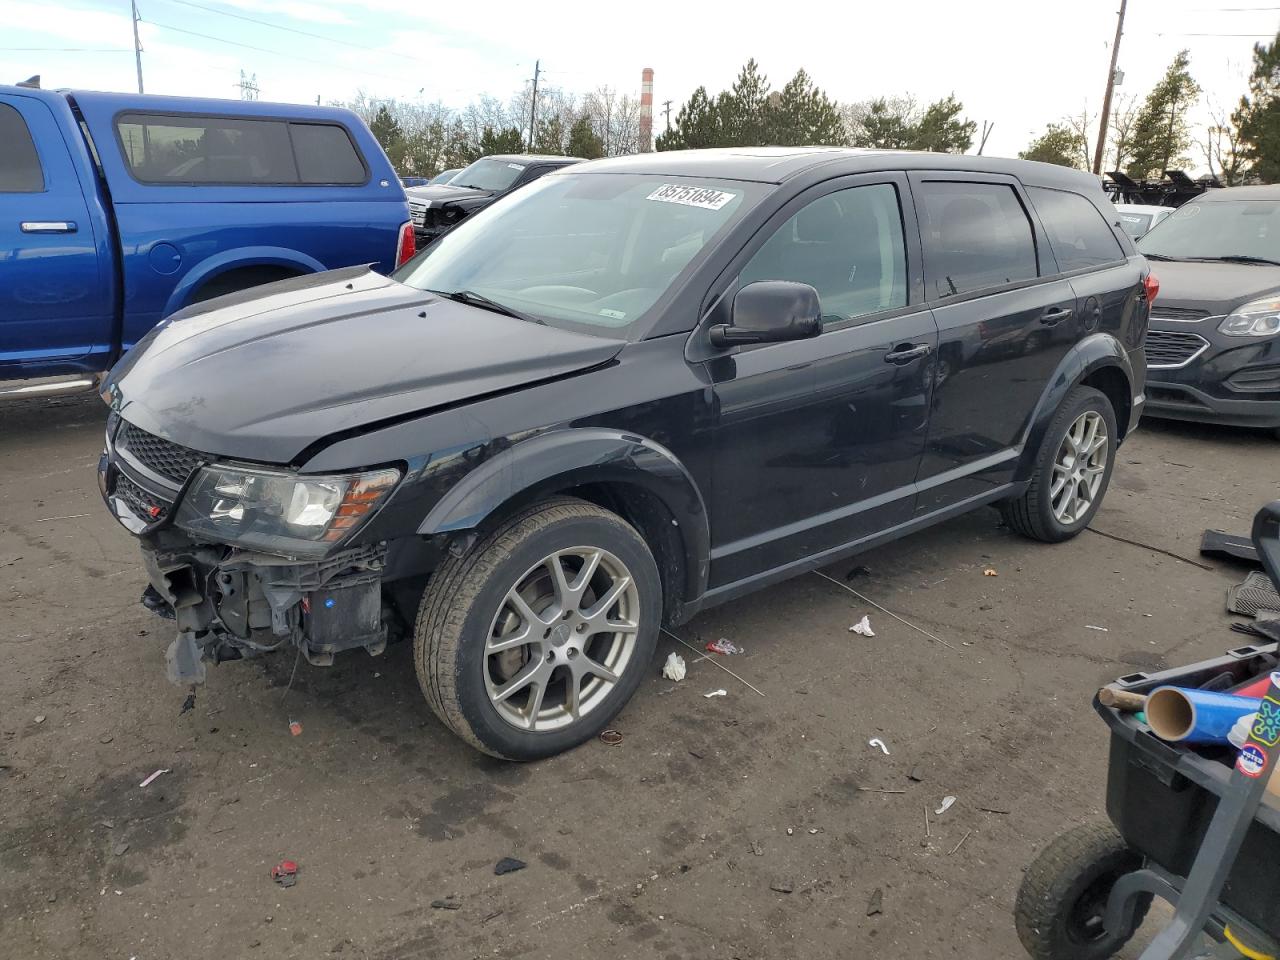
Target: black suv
<point x="1214" y="345"/>
<point x="636" y="389"/>
<point x="438" y="207"/>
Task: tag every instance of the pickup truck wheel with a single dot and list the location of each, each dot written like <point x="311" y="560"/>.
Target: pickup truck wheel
<point x="1072" y="470"/>
<point x="533" y="640"/>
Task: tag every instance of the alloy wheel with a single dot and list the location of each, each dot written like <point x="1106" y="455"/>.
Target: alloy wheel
<point x="561" y="639"/>
<point x="1078" y="468"/>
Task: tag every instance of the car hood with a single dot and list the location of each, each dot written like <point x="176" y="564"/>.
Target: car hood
<point x="441" y="193"/>
<point x="1216" y="287"/>
<point x="263" y="374"/>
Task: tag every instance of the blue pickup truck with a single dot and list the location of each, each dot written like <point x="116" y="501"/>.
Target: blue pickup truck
<point x="116" y="210"/>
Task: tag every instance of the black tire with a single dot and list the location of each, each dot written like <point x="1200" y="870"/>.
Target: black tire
<point x="1064" y="892"/>
<point x="1032" y="513"/>
<point x="467" y="592"/>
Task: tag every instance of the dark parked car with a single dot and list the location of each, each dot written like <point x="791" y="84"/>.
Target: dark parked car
<point x="444" y="176"/>
<point x="1214" y="345"/>
<point x="437" y="208"/>
<point x="639" y="388"/>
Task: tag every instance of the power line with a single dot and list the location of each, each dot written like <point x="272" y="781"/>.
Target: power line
<point x="277" y="53"/>
<point x="301" y="33"/>
<point x="67" y="49"/>
<point x="1252" y="36"/>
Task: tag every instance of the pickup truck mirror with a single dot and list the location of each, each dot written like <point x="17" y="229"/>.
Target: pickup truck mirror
<point x="770" y="311"/>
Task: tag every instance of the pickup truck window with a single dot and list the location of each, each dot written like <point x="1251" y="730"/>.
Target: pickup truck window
<point x="176" y="149"/>
<point x="19" y="165"/>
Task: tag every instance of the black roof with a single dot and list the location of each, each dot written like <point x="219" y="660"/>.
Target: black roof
<point x="1263" y="192"/>
<point x="777" y="164"/>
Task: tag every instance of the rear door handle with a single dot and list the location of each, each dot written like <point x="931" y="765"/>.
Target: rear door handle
<point x="906" y="353"/>
<point x="48" y="226"/>
<point x="1055" y="315"/>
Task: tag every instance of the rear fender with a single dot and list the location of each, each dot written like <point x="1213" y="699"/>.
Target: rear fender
<point x="220" y="263"/>
<point x="564" y="459"/>
<point x="1090" y="355"/>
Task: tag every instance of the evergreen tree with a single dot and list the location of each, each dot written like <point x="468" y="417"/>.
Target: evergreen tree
<point x="698" y="124"/>
<point x="1160" y="133"/>
<point x="387" y="131"/>
<point x="583" y="141"/>
<point x="803" y="115"/>
<point x="550" y="138"/>
<point x="884" y="124"/>
<point x="1058" y="144"/>
<point x="1258" y="116"/>
<point x="941" y="128"/>
<point x="744" y="108"/>
<point x="508" y="140"/>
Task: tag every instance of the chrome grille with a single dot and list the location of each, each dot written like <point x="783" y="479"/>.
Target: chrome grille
<point x="1171" y="348"/>
<point x="171" y="461"/>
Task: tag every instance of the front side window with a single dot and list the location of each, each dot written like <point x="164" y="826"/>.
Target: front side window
<point x="591" y="253"/>
<point x="848" y="246"/>
<point x="1078" y="233"/>
<point x="1216" y="230"/>
<point x="19" y="164"/>
<point x="975" y="235"/>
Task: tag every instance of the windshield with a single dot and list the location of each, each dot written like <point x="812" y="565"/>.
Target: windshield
<point x="489" y="173"/>
<point x="591" y="252"/>
<point x="444" y="176"/>
<point x="1223" y="228"/>
<point x="1135" y="224"/>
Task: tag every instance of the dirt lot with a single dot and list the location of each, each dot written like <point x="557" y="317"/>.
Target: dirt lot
<point x="664" y="846"/>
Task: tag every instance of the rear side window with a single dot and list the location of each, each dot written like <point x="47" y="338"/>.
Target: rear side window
<point x="326" y="154"/>
<point x="175" y="149"/>
<point x="1078" y="233"/>
<point x="19" y="165"/>
<point x="975" y="235"/>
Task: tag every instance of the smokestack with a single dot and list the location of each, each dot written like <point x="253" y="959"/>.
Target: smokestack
<point x="646" y="110"/>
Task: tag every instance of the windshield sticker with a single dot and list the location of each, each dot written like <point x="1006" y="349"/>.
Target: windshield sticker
<point x="614" y="314"/>
<point x="702" y="197"/>
<point x="515" y="166"/>
<point x="1130" y="218"/>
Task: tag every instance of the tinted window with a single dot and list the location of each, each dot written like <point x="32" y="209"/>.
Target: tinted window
<point x="326" y="154"/>
<point x="1078" y="233"/>
<point x="19" y="165"/>
<point x="175" y="149"/>
<point x="847" y="245"/>
<point x="975" y="235"/>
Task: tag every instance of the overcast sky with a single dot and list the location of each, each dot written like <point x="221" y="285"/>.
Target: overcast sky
<point x="1017" y="63"/>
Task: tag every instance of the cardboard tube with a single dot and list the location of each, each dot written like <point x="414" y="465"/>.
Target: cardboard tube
<point x="1183" y="715"/>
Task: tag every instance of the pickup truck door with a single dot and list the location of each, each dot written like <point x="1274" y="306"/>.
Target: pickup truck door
<point x="55" y="286"/>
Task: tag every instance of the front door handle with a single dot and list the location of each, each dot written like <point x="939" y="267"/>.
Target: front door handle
<point x="1055" y="315"/>
<point x="906" y="353"/>
<point x="48" y="226"/>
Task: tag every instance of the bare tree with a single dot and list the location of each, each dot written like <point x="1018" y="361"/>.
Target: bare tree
<point x="1082" y="124"/>
<point x="1223" y="151"/>
<point x="615" y="118"/>
<point x="1124" y="116"/>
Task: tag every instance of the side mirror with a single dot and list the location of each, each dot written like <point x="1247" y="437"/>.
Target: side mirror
<point x="770" y="311"/>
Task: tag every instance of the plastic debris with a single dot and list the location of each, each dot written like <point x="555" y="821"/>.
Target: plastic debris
<point x="790" y="831"/>
<point x="877" y="742"/>
<point x="863" y="627"/>
<point x="508" y="865"/>
<point x="295" y="728"/>
<point x="756" y="848"/>
<point x="875" y="903"/>
<point x="121" y="848"/>
<point x="947" y="803"/>
<point x="610" y="737"/>
<point x="188" y="704"/>
<point x="716" y="693"/>
<point x="285" y="873"/>
<point x="782" y="886"/>
<point x="1090" y="626"/>
<point x="724" y="646"/>
<point x="916" y="774"/>
<point x="147" y="782"/>
<point x="447" y="903"/>
<point x="40" y="718"/>
<point x="990" y="572"/>
<point x="674" y="668"/>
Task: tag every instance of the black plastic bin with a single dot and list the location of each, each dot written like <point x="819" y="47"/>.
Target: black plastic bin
<point x="1161" y="797"/>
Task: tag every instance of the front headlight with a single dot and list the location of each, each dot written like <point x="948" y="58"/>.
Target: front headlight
<point x="285" y="513"/>
<point x="1261" y="318"/>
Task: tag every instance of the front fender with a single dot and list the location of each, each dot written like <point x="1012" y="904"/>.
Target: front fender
<point x="1093" y="353"/>
<point x="226" y="260"/>
<point x="562" y="459"/>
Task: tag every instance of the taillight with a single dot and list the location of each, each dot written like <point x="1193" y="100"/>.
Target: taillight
<point x="406" y="247"/>
<point x="1151" y="287"/>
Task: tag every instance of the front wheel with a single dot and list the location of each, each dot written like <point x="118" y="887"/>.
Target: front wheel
<point x="1072" y="470"/>
<point x="533" y="640"/>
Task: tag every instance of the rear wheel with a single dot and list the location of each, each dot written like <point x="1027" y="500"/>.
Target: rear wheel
<point x="533" y="640"/>
<point x="1063" y="897"/>
<point x="1072" y="470"/>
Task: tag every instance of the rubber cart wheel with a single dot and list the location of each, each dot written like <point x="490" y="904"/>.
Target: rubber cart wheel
<point x="1059" y="913"/>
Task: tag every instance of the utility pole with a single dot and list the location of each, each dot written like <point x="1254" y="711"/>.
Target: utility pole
<point x="137" y="44"/>
<point x="986" y="132"/>
<point x="533" y="104"/>
<point x="1106" y="99"/>
<point x="666" y="105"/>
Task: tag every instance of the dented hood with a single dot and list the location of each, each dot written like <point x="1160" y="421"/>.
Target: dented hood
<point x="261" y="375"/>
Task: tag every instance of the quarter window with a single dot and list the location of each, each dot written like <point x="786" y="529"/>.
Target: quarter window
<point x="177" y="149"/>
<point x="19" y="165"/>
<point x="976" y="235"/>
<point x="847" y="245"/>
<point x="1078" y="232"/>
